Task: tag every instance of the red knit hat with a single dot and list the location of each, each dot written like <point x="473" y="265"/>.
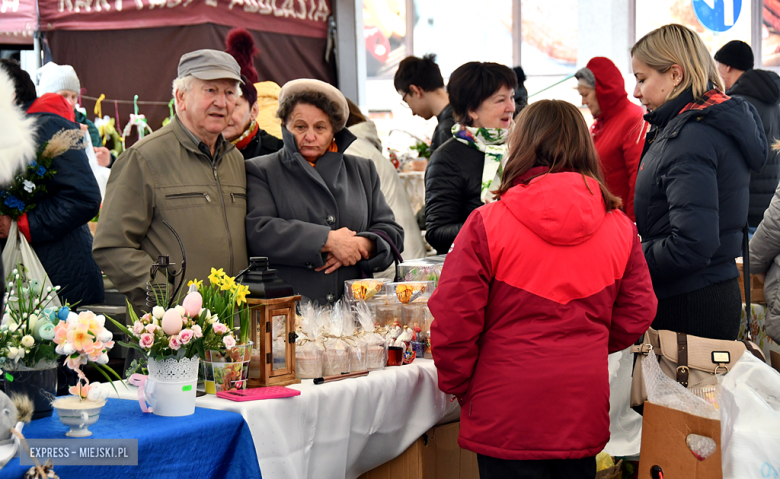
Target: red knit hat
<point x="241" y="45"/>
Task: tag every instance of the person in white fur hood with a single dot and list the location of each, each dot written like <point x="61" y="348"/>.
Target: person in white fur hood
<point x="17" y="143"/>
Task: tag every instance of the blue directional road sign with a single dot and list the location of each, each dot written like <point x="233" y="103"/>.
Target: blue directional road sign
<point x="717" y="15"/>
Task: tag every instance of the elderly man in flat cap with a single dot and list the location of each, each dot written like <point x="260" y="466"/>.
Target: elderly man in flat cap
<point x="184" y="174"/>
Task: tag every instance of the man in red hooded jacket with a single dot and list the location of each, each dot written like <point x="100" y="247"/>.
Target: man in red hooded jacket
<point x="618" y="130"/>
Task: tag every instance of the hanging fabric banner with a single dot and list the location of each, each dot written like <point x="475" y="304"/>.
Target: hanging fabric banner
<point x="307" y="18"/>
<point x="18" y="21"/>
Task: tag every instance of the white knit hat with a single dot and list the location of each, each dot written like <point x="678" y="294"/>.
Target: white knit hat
<point x="52" y="78"/>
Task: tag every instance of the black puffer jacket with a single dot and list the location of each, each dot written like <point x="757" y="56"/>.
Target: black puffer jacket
<point x="262" y="144"/>
<point x="443" y="131"/>
<point x="691" y="198"/>
<point x="453" y="182"/>
<point x="58" y="223"/>
<point x="762" y="89"/>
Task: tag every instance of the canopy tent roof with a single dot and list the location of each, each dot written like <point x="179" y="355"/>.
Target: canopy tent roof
<point x="18" y="21"/>
<point x="303" y="18"/>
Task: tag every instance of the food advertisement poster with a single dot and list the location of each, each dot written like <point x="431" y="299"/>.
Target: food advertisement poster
<point x="716" y="21"/>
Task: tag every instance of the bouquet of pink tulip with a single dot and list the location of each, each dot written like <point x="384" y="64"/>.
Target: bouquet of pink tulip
<point x="180" y="332"/>
<point x="83" y="338"/>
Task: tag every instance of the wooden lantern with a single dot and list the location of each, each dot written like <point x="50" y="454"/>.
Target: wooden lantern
<point x="271" y="319"/>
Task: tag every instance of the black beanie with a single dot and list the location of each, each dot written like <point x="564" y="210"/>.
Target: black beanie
<point x="736" y="54"/>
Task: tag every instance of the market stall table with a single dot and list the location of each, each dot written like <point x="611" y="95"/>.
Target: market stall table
<point x="343" y="428"/>
<point x="208" y="444"/>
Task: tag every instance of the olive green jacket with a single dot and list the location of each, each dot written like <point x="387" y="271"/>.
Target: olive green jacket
<point x="166" y="177"/>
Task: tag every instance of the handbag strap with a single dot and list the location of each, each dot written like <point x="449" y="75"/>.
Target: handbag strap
<point x="682" y="359"/>
<point x="746" y="279"/>
<point x="396" y="254"/>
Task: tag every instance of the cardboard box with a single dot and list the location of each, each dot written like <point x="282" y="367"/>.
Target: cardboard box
<point x="664" y="431"/>
<point x="756" y="286"/>
<point x="436" y="455"/>
<point x="774" y="358"/>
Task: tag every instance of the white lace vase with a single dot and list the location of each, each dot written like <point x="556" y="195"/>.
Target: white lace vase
<point x="172" y="386"/>
<point x="172" y="370"/>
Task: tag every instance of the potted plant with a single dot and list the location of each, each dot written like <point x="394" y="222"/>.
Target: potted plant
<point x="226" y="365"/>
<point x="172" y="342"/>
<point x="27" y="350"/>
<point x="83" y="338"/>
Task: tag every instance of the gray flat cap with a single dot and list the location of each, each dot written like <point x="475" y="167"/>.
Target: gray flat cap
<point x="209" y="65"/>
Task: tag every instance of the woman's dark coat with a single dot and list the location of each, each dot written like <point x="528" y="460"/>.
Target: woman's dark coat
<point x="292" y="207"/>
<point x="692" y="193"/>
<point x="58" y="223"/>
<point x="453" y="183"/>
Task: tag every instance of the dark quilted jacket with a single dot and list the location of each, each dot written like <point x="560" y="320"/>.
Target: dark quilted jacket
<point x="453" y="183"/>
<point x="691" y="200"/>
<point x="58" y="223"/>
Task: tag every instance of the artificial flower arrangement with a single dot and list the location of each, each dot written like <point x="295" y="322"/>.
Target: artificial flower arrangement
<point x="83" y="338"/>
<point x="20" y="197"/>
<point x="223" y="296"/>
<point x="184" y="331"/>
<point x="27" y="328"/>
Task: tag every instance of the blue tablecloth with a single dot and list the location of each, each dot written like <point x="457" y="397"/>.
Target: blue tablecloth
<point x="208" y="444"/>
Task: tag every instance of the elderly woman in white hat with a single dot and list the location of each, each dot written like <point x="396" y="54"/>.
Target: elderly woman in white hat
<point x="316" y="213"/>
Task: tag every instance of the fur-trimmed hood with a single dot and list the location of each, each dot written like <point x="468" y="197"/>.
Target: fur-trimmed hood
<point x="17" y="143"/>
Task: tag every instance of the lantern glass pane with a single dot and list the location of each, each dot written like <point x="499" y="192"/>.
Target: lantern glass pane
<point x="279" y="335"/>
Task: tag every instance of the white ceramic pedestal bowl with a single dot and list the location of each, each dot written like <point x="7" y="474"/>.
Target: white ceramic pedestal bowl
<point x="79" y="418"/>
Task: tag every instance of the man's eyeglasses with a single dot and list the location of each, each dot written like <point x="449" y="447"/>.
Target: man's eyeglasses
<point x="403" y="99"/>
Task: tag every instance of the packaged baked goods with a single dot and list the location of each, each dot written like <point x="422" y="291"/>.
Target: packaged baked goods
<point x="308" y="351"/>
<point x="337" y="348"/>
<point x="357" y="343"/>
<point x="412" y="291"/>
<point x="363" y="289"/>
<point x="374" y="337"/>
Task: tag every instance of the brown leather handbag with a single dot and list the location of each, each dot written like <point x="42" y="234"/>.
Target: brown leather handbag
<point x="690" y="360"/>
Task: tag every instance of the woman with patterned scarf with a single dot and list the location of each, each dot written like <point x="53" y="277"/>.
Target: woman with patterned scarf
<point x="465" y="170"/>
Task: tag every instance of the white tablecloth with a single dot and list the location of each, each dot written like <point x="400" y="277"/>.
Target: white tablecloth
<point x="343" y="428"/>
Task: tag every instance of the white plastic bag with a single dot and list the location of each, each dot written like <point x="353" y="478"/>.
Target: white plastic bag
<point x="665" y="391"/>
<point x="750" y="420"/>
<point x="101" y="172"/>
<point x="625" y="425"/>
<point x="18" y="250"/>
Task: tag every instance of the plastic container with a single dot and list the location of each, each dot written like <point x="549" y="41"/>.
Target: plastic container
<point x="411" y="291"/>
<point x="387" y="314"/>
<point x="364" y="289"/>
<point x="414" y="314"/>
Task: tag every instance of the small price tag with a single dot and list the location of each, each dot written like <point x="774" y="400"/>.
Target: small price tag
<point x="187" y="387"/>
<point x="9" y="378"/>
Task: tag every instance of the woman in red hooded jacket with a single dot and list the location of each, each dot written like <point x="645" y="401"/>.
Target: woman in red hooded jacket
<point x="539" y="288"/>
<point x="618" y="130"/>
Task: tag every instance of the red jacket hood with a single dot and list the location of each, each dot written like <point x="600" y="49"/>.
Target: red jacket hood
<point x="53" y="103"/>
<point x="610" y="87"/>
<point x="558" y="207"/>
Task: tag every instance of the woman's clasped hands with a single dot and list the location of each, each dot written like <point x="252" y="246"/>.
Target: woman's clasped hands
<point x="345" y="248"/>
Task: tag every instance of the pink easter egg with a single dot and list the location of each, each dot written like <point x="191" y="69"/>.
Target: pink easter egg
<point x="192" y="304"/>
<point x="171" y="322"/>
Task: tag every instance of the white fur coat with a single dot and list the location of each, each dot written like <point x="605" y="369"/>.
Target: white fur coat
<point x="17" y="141"/>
